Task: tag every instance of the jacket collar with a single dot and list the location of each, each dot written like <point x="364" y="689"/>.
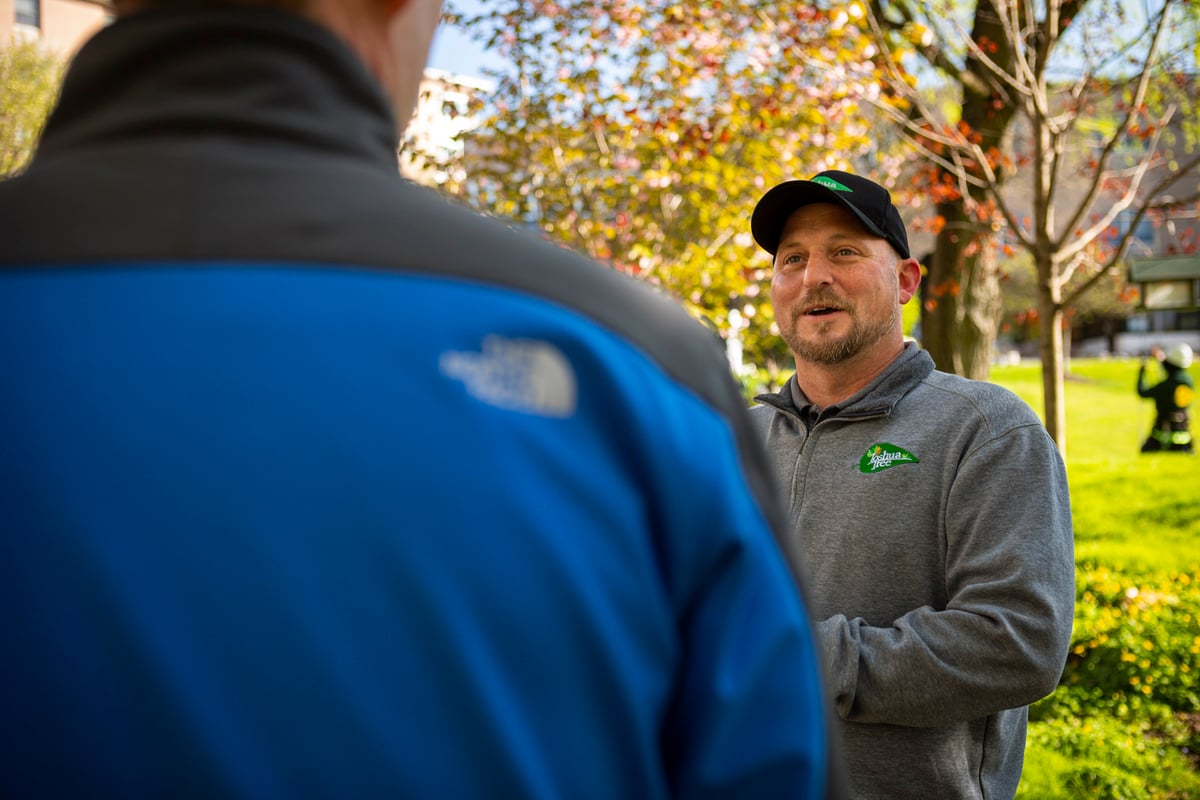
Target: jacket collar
<point x="242" y="74"/>
<point x="877" y="398"/>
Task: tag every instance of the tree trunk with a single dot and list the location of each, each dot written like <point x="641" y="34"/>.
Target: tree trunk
<point x="1050" y="345"/>
<point x="960" y="329"/>
<point x="1068" y="343"/>
<point x="960" y="309"/>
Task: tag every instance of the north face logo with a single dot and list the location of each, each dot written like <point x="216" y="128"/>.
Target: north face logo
<point x="526" y="375"/>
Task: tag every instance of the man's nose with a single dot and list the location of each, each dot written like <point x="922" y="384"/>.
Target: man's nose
<point x="817" y="271"/>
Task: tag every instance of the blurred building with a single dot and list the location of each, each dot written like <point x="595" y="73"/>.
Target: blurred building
<point x="447" y="107"/>
<point x="1163" y="262"/>
<point x="62" y="25"/>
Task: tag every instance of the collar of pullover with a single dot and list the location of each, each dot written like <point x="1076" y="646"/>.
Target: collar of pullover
<point x="879" y="397"/>
<point x="240" y="74"/>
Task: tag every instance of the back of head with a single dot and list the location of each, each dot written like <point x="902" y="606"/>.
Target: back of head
<point x="125" y="7"/>
<point x="392" y="37"/>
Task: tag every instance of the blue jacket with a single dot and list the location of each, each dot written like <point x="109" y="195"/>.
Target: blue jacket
<point x="313" y="484"/>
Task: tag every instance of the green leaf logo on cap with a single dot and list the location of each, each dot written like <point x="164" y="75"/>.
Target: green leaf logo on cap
<point x="830" y="183"/>
<point x="884" y="456"/>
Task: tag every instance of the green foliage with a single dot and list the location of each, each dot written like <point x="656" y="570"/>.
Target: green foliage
<point x="1102" y="758"/>
<point x="29" y="82"/>
<point x="758" y="380"/>
<point x="1124" y="722"/>
<point x="1136" y="645"/>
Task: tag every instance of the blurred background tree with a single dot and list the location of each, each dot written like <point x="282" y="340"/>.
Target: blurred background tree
<point x="29" y="81"/>
<point x="1053" y="128"/>
<point x="643" y="133"/>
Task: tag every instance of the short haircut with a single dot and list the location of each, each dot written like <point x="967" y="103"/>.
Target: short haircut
<point x="130" y="6"/>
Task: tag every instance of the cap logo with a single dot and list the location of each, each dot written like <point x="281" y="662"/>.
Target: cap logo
<point x="883" y="456"/>
<point x="830" y="183"/>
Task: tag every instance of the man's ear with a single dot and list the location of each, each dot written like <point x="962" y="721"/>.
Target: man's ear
<point x="909" y="274"/>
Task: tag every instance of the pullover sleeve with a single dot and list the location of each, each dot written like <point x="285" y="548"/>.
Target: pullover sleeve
<point x="1002" y="638"/>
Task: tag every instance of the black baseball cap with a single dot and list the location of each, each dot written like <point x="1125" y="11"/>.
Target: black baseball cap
<point x="865" y="199"/>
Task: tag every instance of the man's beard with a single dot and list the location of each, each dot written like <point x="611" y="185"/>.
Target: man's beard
<point x="826" y="350"/>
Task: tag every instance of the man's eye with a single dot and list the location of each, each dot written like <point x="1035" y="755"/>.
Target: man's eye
<point x="844" y="251"/>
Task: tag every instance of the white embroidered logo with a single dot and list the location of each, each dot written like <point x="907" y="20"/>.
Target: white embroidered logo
<point x="524" y="375"/>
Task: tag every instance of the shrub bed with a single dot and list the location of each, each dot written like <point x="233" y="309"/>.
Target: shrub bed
<point x="1124" y="723"/>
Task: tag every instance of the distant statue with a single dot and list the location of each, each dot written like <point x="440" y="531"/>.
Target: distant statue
<point x="1171" y="396"/>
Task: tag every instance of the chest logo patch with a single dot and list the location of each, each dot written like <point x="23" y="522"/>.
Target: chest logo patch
<point x="884" y="456"/>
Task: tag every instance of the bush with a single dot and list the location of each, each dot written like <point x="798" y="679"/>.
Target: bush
<point x="1105" y="758"/>
<point x="1124" y="722"/>
<point x="1136" y="639"/>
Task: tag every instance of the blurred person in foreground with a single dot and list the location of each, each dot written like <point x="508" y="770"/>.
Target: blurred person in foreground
<point x="315" y="485"/>
<point x="932" y="511"/>
<point x="1172" y="396"/>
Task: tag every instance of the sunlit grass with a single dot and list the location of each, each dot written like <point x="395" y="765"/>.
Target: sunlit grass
<point x="1138" y="512"/>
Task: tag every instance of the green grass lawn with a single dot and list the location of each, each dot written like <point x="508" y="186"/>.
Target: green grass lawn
<point x="1131" y="511"/>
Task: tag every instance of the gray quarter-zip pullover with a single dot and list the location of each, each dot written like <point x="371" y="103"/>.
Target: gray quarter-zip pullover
<point x="933" y="515"/>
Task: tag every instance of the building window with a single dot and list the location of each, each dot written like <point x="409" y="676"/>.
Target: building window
<point x="1143" y="236"/>
<point x="28" y="12"/>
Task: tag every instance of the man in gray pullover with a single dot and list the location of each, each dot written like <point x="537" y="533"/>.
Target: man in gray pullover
<point x="932" y="510"/>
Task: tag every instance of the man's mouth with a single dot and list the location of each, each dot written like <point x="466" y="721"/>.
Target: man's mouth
<point x="820" y="311"/>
